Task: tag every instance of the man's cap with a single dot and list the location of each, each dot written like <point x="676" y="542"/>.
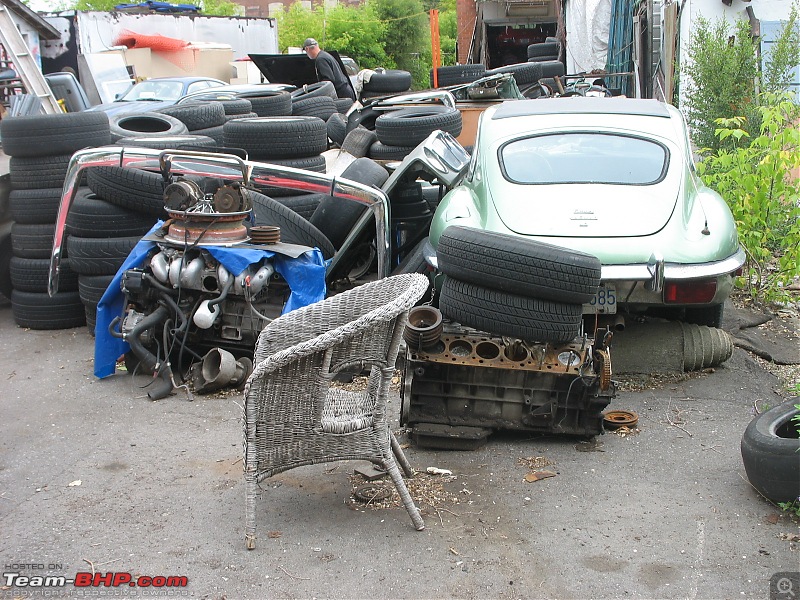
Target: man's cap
<point x="309" y="43"/>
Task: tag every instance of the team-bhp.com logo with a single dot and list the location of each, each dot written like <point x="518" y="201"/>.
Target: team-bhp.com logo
<point x="110" y="579"/>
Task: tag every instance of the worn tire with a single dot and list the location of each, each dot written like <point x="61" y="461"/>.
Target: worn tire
<point x="710" y="316"/>
<point x="99" y="256"/>
<point x="28" y="173"/>
<point x="304" y="205"/>
<point x="32" y="241"/>
<point x="197" y="115"/>
<point x="518" y="265"/>
<point x="92" y="287"/>
<point x="277" y="137"/>
<point x="215" y="133"/>
<point x="458" y="74"/>
<point x="309" y="163"/>
<point x="335" y="217"/>
<point x="379" y="151"/>
<point x="269" y="104"/>
<point x="137" y="190"/>
<point x="143" y="124"/>
<point x="35" y="206"/>
<point x="336" y="126"/>
<point x="90" y="216"/>
<point x="552" y="68"/>
<point x="393" y="80"/>
<point x="172" y="142"/>
<point x="314" y="106"/>
<point x="410" y="126"/>
<point x="543" y="49"/>
<point x="358" y="141"/>
<point x="343" y="104"/>
<point x="500" y="313"/>
<point x="771" y="460"/>
<point x="294" y="228"/>
<point x="40" y="311"/>
<point x="366" y="171"/>
<point x="51" y="135"/>
<point x="250" y="115"/>
<point x="321" y="88"/>
<point x="32" y="274"/>
<point x="524" y="73"/>
<point x="5" y="266"/>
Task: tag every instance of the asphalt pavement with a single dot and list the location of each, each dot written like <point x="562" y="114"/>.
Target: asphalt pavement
<point x="94" y="477"/>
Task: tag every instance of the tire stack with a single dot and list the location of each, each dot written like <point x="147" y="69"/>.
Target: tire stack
<point x="105" y="222"/>
<point x="315" y="100"/>
<point x="145" y="123"/>
<point x="525" y="74"/>
<point x="512" y="286"/>
<point x="40" y="148"/>
<point x="400" y="131"/>
<point x="458" y="74"/>
<point x="383" y="83"/>
<point x="548" y="50"/>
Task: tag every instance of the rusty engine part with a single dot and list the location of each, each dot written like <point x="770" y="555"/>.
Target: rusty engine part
<point x="471" y="379"/>
<point x="424" y="327"/>
<point x="614" y="419"/>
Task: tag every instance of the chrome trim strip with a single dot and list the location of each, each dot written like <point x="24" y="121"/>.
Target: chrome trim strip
<point x="643" y="272"/>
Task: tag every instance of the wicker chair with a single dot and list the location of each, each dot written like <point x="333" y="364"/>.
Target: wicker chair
<point x="293" y="417"/>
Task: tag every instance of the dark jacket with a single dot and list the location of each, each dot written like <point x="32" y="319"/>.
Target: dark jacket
<point x="329" y="70"/>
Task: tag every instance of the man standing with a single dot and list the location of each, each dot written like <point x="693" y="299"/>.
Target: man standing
<point x="328" y="69"/>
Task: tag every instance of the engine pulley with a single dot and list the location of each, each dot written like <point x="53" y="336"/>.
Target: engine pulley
<point x="232" y="198"/>
<point x="182" y="195"/>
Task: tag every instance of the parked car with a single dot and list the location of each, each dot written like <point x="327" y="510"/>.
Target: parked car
<point x="159" y="92"/>
<point x="609" y="177"/>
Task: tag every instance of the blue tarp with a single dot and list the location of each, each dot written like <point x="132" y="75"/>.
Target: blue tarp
<point x="304" y="274"/>
<point x="161" y="7"/>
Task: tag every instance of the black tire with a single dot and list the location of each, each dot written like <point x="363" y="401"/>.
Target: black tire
<point x="524" y="73"/>
<point x="358" y="141"/>
<point x="414" y="261"/>
<point x="277" y="137"/>
<point x="410" y="126"/>
<point x="379" y="151"/>
<point x="308" y="163"/>
<point x="321" y="88"/>
<point x="518" y="265"/>
<point x="543" y="49"/>
<point x="294" y="228"/>
<point x="552" y="68"/>
<point x="44" y="135"/>
<point x="35" y="206"/>
<point x="137" y="190"/>
<point x="172" y="142"/>
<point x="98" y="256"/>
<point x="32" y="241"/>
<point x="711" y="316"/>
<point x="770" y="447"/>
<point x="31" y="275"/>
<point x="236" y="106"/>
<point x="197" y="115"/>
<point x="541" y="59"/>
<point x="304" y="205"/>
<point x="493" y="311"/>
<point x="6" y="253"/>
<point x="393" y="80"/>
<point x="40" y="311"/>
<point x="144" y="124"/>
<point x="29" y="173"/>
<point x="366" y="171"/>
<point x="458" y="74"/>
<point x="250" y="115"/>
<point x="215" y="133"/>
<point x="278" y="104"/>
<point x="336" y="126"/>
<point x="92" y="287"/>
<point x="343" y="104"/>
<point x="335" y="218"/>
<point x="90" y="216"/>
<point x="315" y="106"/>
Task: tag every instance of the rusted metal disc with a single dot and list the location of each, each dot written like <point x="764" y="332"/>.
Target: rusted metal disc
<point x="424" y="327"/>
<point x="614" y="419"/>
<point x="265" y="234"/>
<point x="604" y="369"/>
<point x="371" y="492"/>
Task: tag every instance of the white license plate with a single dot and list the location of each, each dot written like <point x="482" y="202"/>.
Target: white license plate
<point x="604" y="301"/>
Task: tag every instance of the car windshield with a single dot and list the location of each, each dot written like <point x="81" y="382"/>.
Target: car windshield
<point x="154" y="90"/>
<point x="583" y="158"/>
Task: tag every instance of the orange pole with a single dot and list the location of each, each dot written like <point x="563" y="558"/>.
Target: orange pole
<point x="436" y="51"/>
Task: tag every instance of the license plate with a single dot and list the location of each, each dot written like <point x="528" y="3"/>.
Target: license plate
<point x="604" y="301"/>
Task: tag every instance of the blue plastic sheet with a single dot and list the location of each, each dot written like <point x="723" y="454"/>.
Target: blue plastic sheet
<point x="161" y="7"/>
<point x="304" y="274"/>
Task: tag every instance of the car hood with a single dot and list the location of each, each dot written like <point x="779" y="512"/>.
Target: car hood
<point x="120" y="108"/>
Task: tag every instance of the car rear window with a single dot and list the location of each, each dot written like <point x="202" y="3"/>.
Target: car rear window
<point x="583" y="158"/>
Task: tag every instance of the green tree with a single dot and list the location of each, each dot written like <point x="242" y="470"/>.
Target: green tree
<point x="407" y="37"/>
<point x="222" y="8"/>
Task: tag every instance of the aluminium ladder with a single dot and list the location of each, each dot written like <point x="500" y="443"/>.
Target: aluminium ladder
<point x="24" y="64"/>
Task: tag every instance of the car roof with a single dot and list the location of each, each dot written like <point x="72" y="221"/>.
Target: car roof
<point x="582" y="105"/>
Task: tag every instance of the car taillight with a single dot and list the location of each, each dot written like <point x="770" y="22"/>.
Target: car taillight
<point x="690" y="292"/>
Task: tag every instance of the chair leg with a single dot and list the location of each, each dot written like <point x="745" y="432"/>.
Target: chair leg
<point x="400" y="456"/>
<point x="405" y="496"/>
<point x="251" y="490"/>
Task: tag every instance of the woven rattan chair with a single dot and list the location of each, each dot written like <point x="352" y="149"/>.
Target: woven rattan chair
<point x="293" y="417"/>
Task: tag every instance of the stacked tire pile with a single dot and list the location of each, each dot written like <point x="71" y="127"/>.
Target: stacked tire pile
<point x="512" y="286"/>
<point x="400" y="131"/>
<point x="525" y="74"/>
<point x="547" y="55"/>
<point x="457" y="74"/>
<point x="40" y="148"/>
<point x="315" y="100"/>
<point x="383" y="83"/>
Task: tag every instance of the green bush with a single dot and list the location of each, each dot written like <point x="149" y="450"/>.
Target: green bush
<point x="753" y="173"/>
